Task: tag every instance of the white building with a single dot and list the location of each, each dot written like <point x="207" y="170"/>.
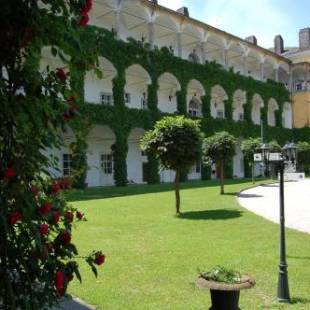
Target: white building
<point x="190" y="40"/>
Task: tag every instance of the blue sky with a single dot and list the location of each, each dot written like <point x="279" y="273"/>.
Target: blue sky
<point x="262" y="18"/>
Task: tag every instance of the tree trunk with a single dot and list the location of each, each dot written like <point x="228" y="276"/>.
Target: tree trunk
<point x="177" y="191"/>
<point x="222" y="177"/>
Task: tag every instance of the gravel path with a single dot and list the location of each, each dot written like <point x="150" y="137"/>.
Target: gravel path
<point x="264" y="200"/>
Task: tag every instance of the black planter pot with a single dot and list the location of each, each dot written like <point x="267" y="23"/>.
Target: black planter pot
<point x="225" y="296"/>
<point x="224" y="300"/>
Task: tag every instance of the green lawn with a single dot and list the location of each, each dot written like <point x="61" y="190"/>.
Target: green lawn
<point x="153" y="257"/>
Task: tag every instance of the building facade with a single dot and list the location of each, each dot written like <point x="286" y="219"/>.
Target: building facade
<point x="156" y="62"/>
<point x="300" y="71"/>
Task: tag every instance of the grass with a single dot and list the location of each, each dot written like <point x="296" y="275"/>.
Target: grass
<point x="153" y="256"/>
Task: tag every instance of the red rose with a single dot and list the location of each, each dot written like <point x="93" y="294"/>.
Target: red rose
<point x="9" y="173"/>
<point x="55" y="217"/>
<point x="55" y="188"/>
<point x="61" y="74"/>
<point x="45" y="208"/>
<point x="87" y="7"/>
<point x="79" y="215"/>
<point x="59" y="282"/>
<point x="84" y="20"/>
<point x="14" y="217"/>
<point x="43" y="230"/>
<point x="34" y="190"/>
<point x="64" y="238"/>
<point x="99" y="258"/>
<point x="69" y="216"/>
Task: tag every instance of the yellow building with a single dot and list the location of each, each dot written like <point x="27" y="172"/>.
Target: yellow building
<point x="300" y="76"/>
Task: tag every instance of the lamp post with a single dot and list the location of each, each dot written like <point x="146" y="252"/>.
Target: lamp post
<point x="288" y="156"/>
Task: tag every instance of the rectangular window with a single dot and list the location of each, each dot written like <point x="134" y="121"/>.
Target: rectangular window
<point x="107" y="163"/>
<point x="143" y="153"/>
<point x="193" y="113"/>
<point x="143" y="104"/>
<point x="298" y="86"/>
<point x="220" y="114"/>
<point x="106" y="98"/>
<point x="240" y="117"/>
<point x="198" y="167"/>
<point x="127" y="98"/>
<point x="67" y="164"/>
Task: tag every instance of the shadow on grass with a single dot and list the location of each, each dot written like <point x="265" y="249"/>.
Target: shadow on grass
<point x="300" y="300"/>
<point x="213" y="215"/>
<point x="231" y="194"/>
<point x="298" y="257"/>
<point x="270" y="185"/>
<point x="112" y="192"/>
<point x="242" y="195"/>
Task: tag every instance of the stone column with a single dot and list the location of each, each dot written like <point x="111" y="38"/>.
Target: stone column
<point x="151" y="34"/>
<point x="290" y="80"/>
<point x="203" y="52"/>
<point x="306" y="77"/>
<point x="276" y="74"/>
<point x="117" y="18"/>
<point x="244" y="65"/>
<point x="225" y="58"/>
<point x="262" y="71"/>
<point x="179" y="44"/>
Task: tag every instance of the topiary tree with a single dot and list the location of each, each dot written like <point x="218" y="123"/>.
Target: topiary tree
<point x="176" y="141"/>
<point x="249" y="147"/>
<point x="219" y="149"/>
<point x="303" y="156"/>
<point x="37" y="256"/>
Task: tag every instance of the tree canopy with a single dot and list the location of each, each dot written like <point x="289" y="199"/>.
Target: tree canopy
<point x="219" y="149"/>
<point x="176" y="141"/>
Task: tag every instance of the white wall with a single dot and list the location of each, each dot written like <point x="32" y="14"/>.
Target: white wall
<point x="167" y="176"/>
<point x="100" y="139"/>
<point x="135" y="159"/>
<point x="238" y="163"/>
<point x="164" y="104"/>
<point x="193" y="175"/>
<point x="136" y="95"/>
<point x="94" y="86"/>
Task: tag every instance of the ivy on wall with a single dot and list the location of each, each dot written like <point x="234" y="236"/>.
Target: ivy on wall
<point x="156" y="62"/>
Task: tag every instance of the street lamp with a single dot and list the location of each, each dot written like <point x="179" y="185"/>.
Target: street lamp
<point x="288" y="156"/>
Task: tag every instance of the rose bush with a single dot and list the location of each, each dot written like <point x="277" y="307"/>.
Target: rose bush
<point x="38" y="258"/>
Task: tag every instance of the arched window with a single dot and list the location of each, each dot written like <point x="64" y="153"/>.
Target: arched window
<point x="239" y="100"/>
<point x="272" y="107"/>
<point x="195" y="91"/>
<point x="218" y="97"/>
<point x="257" y="105"/>
<point x="194" y="107"/>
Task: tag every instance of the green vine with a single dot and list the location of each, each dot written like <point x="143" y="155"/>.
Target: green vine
<point x="156" y="62"/>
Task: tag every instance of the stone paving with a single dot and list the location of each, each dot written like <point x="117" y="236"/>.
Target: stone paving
<point x="264" y="201"/>
<point x="75" y="304"/>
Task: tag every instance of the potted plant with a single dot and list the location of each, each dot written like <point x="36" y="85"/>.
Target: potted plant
<point x="225" y="286"/>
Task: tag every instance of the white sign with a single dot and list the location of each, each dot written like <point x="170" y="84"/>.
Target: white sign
<point x="275" y="157"/>
<point x="258" y="157"/>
